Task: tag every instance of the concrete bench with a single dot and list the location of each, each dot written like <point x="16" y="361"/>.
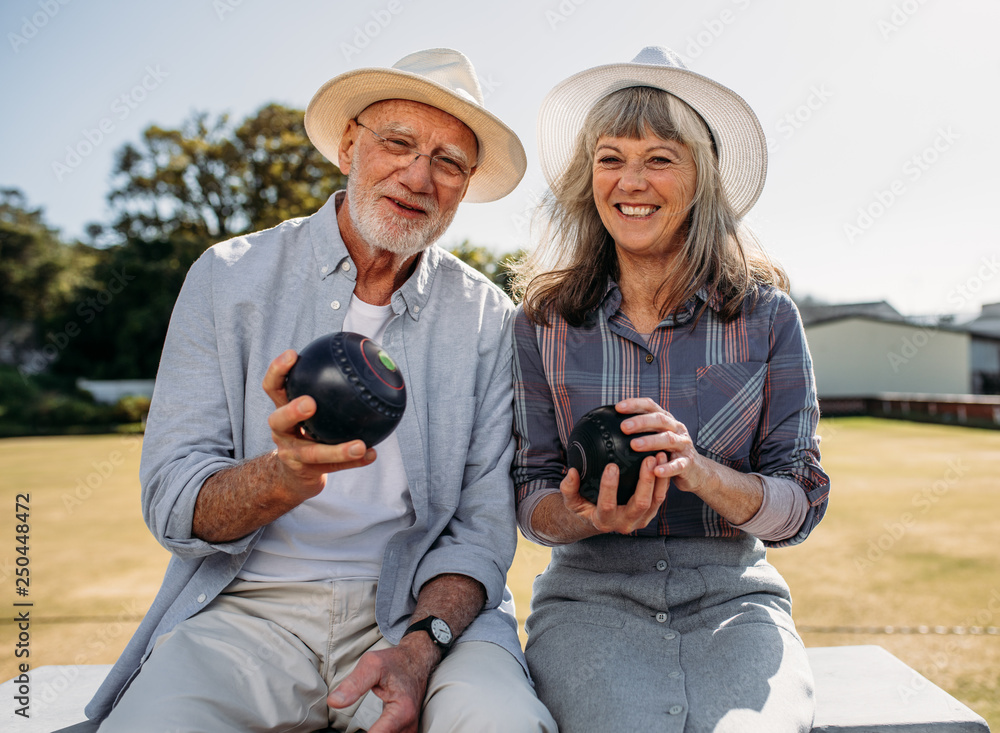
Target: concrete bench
<point x="859" y="689"/>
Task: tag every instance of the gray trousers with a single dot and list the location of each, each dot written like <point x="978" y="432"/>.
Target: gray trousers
<point x="667" y="634"/>
<point x="263" y="656"/>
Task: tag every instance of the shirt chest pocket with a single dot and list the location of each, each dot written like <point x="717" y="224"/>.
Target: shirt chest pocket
<point x="730" y="399"/>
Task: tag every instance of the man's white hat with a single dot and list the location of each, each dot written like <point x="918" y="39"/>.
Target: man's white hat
<point x="439" y="77"/>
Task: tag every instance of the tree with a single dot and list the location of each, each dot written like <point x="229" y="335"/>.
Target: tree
<point x="209" y="180"/>
<point x="175" y="194"/>
<point x="496" y="268"/>
<point x="38" y="272"/>
<point x="116" y="327"/>
<point x="39" y="275"/>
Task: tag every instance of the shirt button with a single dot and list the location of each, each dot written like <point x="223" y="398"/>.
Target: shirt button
<point x="335" y="305"/>
<point x="201" y="598"/>
<point x="661" y="565"/>
<point x="674" y="675"/>
<point x="325" y="268"/>
<point x="416" y="309"/>
<point x="676" y="709"/>
<point x="346" y="266"/>
<point x="669" y="635"/>
<point x="661" y="617"/>
<point x="649" y="358"/>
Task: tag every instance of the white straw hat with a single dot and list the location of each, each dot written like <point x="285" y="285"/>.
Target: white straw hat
<point x="440" y="77"/>
<point x="739" y="138"/>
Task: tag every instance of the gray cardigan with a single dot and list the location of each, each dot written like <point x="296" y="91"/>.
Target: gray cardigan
<point x="244" y="302"/>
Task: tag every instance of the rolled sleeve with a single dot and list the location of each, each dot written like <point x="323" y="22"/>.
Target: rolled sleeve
<point x="526" y="509"/>
<point x="189" y="433"/>
<point x="782" y="510"/>
<point x="539" y="461"/>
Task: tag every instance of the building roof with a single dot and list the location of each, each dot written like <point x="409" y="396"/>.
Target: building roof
<point x="987" y="323"/>
<point x="984" y="326"/>
<point x="813" y="313"/>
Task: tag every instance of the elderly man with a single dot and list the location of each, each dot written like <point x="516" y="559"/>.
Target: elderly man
<point x="312" y="585"/>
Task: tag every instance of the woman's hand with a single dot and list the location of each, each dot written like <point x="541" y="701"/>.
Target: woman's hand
<point x="734" y="495"/>
<point x="607" y="515"/>
<point x="689" y="470"/>
<point x="570" y="517"/>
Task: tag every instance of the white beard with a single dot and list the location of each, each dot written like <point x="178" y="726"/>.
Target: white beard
<point x="396" y="235"/>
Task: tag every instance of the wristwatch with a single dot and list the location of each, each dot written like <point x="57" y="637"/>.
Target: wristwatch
<point x="438" y="629"/>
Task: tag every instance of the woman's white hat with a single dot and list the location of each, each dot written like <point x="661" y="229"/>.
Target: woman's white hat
<point x="440" y="77"/>
<point x="739" y="138"/>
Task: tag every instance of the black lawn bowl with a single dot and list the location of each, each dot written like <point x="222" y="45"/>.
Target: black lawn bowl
<point x="359" y="390"/>
<point x="597" y="440"/>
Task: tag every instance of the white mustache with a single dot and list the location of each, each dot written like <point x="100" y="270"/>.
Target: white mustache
<point x="421" y="201"/>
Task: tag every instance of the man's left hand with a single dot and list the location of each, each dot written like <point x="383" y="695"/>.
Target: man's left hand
<point x="398" y="676"/>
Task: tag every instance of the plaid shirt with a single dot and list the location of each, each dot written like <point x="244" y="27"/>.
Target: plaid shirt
<point x="744" y="390"/>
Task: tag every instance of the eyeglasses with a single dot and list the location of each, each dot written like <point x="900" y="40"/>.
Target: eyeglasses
<point x="444" y="170"/>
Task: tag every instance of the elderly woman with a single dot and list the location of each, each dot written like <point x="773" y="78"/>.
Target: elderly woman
<point x="647" y="293"/>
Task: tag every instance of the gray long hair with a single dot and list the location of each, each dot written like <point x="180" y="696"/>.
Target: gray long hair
<point x="570" y="267"/>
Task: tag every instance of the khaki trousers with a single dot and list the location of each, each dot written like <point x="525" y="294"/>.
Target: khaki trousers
<point x="263" y="657"/>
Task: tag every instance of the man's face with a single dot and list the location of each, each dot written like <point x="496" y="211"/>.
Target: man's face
<point x="404" y="203"/>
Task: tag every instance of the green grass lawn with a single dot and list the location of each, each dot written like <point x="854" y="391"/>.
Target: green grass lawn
<point x="910" y="539"/>
<point x="94" y="566"/>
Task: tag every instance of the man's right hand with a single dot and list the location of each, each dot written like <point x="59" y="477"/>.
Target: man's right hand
<point x="238" y="500"/>
<point x="304" y="463"/>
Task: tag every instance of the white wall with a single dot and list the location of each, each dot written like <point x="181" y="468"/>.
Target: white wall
<point x="861" y="356"/>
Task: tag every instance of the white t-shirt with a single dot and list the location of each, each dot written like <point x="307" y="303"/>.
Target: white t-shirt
<point x="342" y="532"/>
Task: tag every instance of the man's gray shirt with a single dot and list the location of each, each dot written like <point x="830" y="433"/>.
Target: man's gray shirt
<point x="244" y="302"/>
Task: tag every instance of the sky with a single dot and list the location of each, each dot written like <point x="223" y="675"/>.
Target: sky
<point x="880" y="115"/>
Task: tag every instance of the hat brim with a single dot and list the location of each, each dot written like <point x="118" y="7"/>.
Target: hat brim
<point x="739" y="138"/>
<point x="502" y="160"/>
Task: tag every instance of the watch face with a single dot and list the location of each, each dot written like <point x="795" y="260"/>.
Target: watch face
<point x="441" y="631"/>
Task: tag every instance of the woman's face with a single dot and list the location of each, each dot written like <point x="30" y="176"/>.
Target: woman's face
<point x="643" y="190"/>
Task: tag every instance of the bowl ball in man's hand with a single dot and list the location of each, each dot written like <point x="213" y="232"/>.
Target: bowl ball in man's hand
<point x="358" y="389"/>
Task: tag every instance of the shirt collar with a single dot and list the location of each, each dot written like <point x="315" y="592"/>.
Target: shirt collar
<point x="612" y="300"/>
<point x="331" y="255"/>
<point x="414" y="293"/>
<point x="329" y="250"/>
